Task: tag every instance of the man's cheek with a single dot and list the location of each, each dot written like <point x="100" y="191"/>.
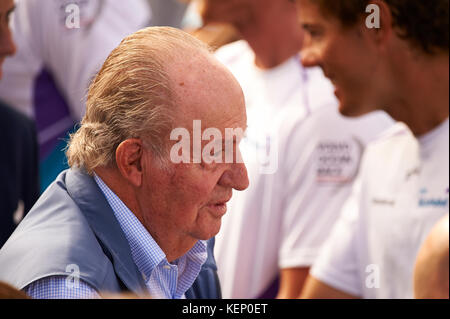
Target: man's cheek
<point x="196" y="183"/>
<point x="192" y="196"/>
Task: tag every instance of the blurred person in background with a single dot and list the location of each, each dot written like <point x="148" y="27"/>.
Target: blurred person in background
<point x="60" y="47"/>
<point x="19" y="181"/>
<point x="302" y="156"/>
<point x="215" y="34"/>
<point x="389" y="55"/>
<point x="168" y="12"/>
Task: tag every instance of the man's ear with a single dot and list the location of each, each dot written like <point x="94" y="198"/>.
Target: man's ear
<point x="378" y="21"/>
<point x="128" y="159"/>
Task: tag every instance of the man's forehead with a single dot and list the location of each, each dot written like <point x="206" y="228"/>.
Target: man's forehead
<point x="194" y="66"/>
<point x="215" y="117"/>
<point x="205" y="90"/>
<point x="311" y="16"/>
<point x="218" y="116"/>
<point x="193" y="71"/>
<point x="307" y="10"/>
<point x="204" y="82"/>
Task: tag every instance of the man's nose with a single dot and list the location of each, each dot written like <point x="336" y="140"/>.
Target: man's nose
<point x="309" y="57"/>
<point x="235" y="177"/>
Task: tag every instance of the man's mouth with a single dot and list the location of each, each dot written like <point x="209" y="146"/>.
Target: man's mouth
<point x="336" y="93"/>
<point x="219" y="207"/>
<point x="336" y="88"/>
<point x="218" y="210"/>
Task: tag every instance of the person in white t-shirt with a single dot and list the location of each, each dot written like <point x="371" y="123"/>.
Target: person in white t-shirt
<point x="379" y="58"/>
<point x="70" y="41"/>
<point x="60" y="47"/>
<point x="301" y="155"/>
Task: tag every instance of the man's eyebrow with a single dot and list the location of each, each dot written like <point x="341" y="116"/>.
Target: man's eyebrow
<point x="306" y="25"/>
<point x="311" y="27"/>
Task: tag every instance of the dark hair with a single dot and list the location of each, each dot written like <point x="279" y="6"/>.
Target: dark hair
<point x="424" y="23"/>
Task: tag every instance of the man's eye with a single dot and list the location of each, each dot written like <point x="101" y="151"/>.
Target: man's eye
<point x="314" y="34"/>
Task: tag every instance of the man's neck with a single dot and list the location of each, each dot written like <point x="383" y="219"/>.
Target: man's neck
<point x="166" y="239"/>
<point x="173" y="247"/>
<point x="273" y="40"/>
<point x="421" y="99"/>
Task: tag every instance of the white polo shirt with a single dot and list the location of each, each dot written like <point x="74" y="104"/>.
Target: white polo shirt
<point x="402" y="191"/>
<point x="47" y="37"/>
<point x="301" y="157"/>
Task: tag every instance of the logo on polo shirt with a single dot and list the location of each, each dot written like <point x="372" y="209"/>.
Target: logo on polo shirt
<point x="432" y="201"/>
<point x="383" y="201"/>
<point x="337" y="161"/>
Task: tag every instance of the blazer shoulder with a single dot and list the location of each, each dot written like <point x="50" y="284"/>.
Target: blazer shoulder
<point x="52" y="240"/>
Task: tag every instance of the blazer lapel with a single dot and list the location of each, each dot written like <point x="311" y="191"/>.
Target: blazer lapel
<point x="91" y="201"/>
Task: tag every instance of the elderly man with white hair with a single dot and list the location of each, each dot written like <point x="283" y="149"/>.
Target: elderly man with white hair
<point x="125" y="216"/>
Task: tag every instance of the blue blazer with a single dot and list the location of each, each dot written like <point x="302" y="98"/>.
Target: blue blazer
<point x="72" y="223"/>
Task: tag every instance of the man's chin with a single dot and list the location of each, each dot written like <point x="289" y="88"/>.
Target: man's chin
<point x="351" y="109"/>
<point x="207" y="228"/>
<point x="212" y="231"/>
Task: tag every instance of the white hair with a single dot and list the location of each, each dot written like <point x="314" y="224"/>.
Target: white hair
<point x="131" y="97"/>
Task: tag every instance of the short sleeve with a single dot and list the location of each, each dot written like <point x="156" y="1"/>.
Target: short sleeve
<point x="57" y="287"/>
<point x="307" y="225"/>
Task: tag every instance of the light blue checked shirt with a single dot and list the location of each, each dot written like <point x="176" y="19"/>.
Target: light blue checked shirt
<point x="163" y="279"/>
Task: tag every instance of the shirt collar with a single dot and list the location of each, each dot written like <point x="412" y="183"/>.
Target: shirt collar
<point x="146" y="253"/>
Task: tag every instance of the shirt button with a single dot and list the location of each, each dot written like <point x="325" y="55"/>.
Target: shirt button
<point x="166" y="267"/>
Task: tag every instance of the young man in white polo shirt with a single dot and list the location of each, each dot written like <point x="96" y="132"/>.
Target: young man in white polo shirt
<point x="300" y="153"/>
<point x="380" y="57"/>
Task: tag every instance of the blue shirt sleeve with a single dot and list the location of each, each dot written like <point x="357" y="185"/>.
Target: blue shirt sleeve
<point x="57" y="287"/>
